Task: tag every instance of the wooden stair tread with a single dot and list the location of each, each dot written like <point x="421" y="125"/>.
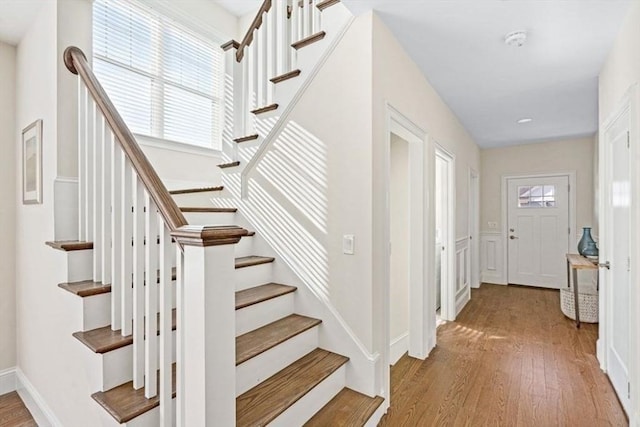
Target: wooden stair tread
<point x="247" y="138"/>
<point x="104" y="340"/>
<point x="196" y="190"/>
<point x="228" y="165"/>
<point x="124" y="403"/>
<point x="309" y="40"/>
<point x="258" y="294"/>
<point x="327" y="3"/>
<point x="258" y="341"/>
<point x="263" y="403"/>
<point x="285" y="76"/>
<point x="250" y="234"/>
<point x="207" y="210"/>
<point x="70" y="245"/>
<point x="248" y="261"/>
<point x="265" y="109"/>
<point x="347" y="409"/>
<point x="86" y="288"/>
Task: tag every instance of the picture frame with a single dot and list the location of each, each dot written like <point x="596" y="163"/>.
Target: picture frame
<point x="32" y="163"/>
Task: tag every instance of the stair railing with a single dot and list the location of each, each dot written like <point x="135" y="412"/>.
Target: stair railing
<point x="266" y="52"/>
<point x="137" y="232"/>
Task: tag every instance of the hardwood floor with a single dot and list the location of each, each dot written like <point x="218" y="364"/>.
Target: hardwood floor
<point x="13" y="413"/>
<point x="510" y="359"/>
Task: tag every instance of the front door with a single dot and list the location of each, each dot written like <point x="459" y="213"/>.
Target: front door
<point x="618" y="197"/>
<point x="538" y="230"/>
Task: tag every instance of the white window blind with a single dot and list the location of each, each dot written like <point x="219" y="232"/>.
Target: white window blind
<point x="164" y="79"/>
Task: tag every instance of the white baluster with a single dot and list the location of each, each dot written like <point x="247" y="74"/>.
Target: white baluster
<point x="259" y="67"/>
<point x="82" y="165"/>
<point x="138" y="284"/>
<point x="282" y="40"/>
<point x="151" y="299"/>
<point x="98" y="142"/>
<point x="315" y="16"/>
<point x="245" y="96"/>
<point x="127" y="249"/>
<point x="306" y="19"/>
<point x="265" y="70"/>
<point x="166" y="337"/>
<point x="90" y="172"/>
<point x="272" y="46"/>
<point x="107" y="149"/>
<point x="180" y="360"/>
<point x="116" y="233"/>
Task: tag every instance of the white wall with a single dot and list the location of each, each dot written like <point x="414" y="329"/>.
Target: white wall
<point x="399" y="218"/>
<point x="8" y="179"/>
<point x="533" y="159"/>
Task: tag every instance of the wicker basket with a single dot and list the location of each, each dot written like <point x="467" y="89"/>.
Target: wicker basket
<point x="588" y="300"/>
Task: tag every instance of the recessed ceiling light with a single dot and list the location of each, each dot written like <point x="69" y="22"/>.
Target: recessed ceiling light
<point x="515" y="38"/>
<point x="524" y="120"/>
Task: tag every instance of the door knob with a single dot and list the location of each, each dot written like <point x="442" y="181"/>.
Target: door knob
<point x="512" y="237"/>
<point x="606" y="265"/>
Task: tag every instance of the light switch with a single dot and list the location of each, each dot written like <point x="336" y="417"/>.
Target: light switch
<point x="348" y="244"/>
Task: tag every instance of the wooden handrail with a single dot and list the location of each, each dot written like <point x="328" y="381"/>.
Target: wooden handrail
<point x="255" y="25"/>
<point x="77" y="63"/>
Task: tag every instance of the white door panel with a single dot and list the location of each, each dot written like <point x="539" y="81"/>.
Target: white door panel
<point x="617" y="241"/>
<point x="538" y="225"/>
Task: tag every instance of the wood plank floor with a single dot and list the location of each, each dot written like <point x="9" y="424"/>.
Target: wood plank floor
<point x="13" y="413"/>
<point x="510" y="359"/>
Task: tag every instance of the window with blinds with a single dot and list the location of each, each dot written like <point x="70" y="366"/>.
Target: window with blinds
<point x="165" y="80"/>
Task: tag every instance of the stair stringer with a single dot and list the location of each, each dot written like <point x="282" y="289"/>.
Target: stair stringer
<point x="363" y="372"/>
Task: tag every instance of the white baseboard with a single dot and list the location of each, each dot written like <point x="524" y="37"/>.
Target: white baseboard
<point x="398" y="347"/>
<point x="495" y="279"/>
<point x="42" y="414"/>
<point x="8" y="382"/>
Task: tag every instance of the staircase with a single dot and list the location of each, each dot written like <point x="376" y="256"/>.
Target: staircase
<point x="145" y="253"/>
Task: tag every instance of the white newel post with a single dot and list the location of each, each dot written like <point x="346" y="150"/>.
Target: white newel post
<point x="206" y="326"/>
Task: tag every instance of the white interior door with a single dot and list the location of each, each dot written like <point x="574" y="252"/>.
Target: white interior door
<point x="538" y="230"/>
<point x="617" y="242"/>
<point x="441" y="218"/>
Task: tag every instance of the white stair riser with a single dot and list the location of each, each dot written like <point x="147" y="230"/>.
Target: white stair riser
<point x="210" y="218"/>
<point x="258" y="315"/>
<point x="96" y="309"/>
<point x="79" y="265"/>
<point x="248" y="277"/>
<point x="244" y="247"/>
<point x="312" y="402"/>
<point x="263" y="366"/>
<point x="115" y="367"/>
<point x="196" y="199"/>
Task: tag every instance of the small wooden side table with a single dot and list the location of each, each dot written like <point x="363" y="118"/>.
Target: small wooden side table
<point x="577" y="262"/>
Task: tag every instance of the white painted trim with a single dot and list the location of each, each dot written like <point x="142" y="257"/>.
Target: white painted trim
<point x="8" y="380"/>
<point x="474" y="228"/>
<point x="421" y="307"/>
<point x="629" y="102"/>
<point x="284" y="118"/>
<point x="40" y="410"/>
<point x="180" y="147"/>
<point x="398" y="347"/>
<point x="448" y="275"/>
<point x="505" y="212"/>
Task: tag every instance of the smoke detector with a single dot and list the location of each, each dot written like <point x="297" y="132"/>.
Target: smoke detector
<point x="516" y="38"/>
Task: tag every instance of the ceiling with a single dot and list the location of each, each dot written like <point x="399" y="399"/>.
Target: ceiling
<point x="553" y="78"/>
<point x="15" y="18"/>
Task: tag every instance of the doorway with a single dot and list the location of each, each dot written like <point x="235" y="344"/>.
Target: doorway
<point x="618" y="250"/>
<point x="399" y="246"/>
<point x="444" y="200"/>
<point x="538" y="230"/>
